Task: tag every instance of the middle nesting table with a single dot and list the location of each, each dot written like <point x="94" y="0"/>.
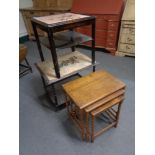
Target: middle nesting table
<point x="59" y="34"/>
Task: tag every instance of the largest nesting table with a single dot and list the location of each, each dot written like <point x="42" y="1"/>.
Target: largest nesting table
<point x="92" y="95"/>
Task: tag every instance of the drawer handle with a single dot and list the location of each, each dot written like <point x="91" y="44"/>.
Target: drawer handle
<point x="111" y="35"/>
<point x="31" y="12"/>
<point x="110" y="43"/>
<point x="128" y="39"/>
<point x="128" y="47"/>
<point x="128" y="26"/>
<point x="132" y="31"/>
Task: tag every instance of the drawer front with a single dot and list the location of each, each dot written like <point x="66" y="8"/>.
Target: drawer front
<point x="85" y="30"/>
<point x="128" y="30"/>
<point x="52" y="3"/>
<point x="113" y="25"/>
<point x="126" y="48"/>
<point x="112" y="17"/>
<point x="39" y="3"/>
<point x="108" y="17"/>
<point x="45" y="13"/>
<point x="128" y="23"/>
<point x="101" y="42"/>
<point x="128" y="27"/>
<point x="127" y="38"/>
<point x="101" y="24"/>
<point x="101" y="34"/>
<point x="100" y="17"/>
<point x="33" y="13"/>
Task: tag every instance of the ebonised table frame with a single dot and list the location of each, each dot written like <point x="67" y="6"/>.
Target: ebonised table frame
<point x="52" y="28"/>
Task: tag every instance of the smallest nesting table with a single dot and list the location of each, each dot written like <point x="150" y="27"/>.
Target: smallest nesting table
<point x="92" y="95"/>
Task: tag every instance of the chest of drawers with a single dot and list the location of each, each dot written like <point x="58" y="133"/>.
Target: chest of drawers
<point x="126" y="44"/>
<point x="43" y="8"/>
<point x="28" y="13"/>
<point x="108" y="16"/>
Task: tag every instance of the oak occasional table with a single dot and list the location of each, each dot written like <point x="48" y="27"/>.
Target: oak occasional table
<point x="91" y="95"/>
<point x="60" y="34"/>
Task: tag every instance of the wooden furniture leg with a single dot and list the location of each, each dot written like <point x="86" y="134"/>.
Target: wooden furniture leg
<point x="67" y="105"/>
<point x="118" y="113"/>
<point x="87" y="127"/>
<point x="92" y="128"/>
<point x="82" y="124"/>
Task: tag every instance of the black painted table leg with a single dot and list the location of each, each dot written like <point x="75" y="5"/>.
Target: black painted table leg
<point x="93" y="44"/>
<point x="38" y="42"/>
<point x="54" y="54"/>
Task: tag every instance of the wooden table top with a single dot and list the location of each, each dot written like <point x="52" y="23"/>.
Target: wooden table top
<point x="91" y="88"/>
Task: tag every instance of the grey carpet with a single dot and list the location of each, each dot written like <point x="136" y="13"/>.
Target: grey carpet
<point x="46" y="132"/>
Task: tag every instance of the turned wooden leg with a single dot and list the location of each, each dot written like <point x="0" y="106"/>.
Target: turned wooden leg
<point x="81" y="124"/>
<point x="87" y="127"/>
<point x="92" y="128"/>
<point x="67" y="103"/>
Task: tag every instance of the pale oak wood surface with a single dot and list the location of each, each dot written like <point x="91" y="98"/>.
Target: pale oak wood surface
<point x="91" y="88"/>
<point x="104" y="100"/>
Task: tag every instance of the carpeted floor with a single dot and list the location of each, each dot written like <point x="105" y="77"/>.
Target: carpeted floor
<point x="46" y="132"/>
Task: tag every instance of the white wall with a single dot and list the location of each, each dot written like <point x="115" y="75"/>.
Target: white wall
<point x="23" y="4"/>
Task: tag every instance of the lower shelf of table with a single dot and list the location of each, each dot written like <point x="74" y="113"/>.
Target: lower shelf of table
<point x="56" y="94"/>
<point x="69" y="64"/>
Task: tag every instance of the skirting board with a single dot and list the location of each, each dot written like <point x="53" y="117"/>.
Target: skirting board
<point x="23" y="39"/>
